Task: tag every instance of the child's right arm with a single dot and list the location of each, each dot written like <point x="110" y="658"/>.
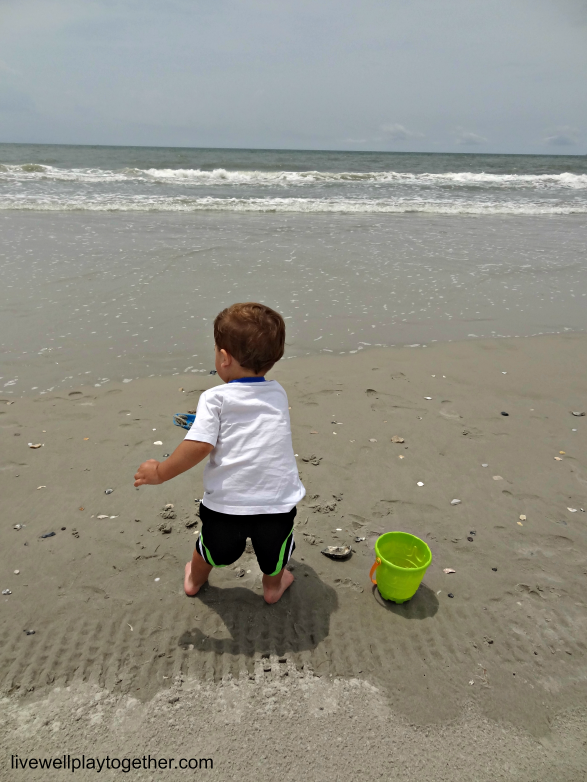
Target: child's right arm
<point x="187" y="454"/>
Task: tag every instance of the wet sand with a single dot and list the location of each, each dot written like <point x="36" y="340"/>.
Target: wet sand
<point x="92" y="298"/>
<point x="491" y="681"/>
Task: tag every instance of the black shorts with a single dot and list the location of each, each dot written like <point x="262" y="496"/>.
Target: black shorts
<point x="224" y="536"/>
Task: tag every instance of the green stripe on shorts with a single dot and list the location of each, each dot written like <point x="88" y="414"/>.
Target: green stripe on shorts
<point x="208" y="555"/>
<point x="281" y="555"/>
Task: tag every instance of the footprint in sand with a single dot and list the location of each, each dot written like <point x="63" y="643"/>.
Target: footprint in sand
<point x="346" y="583"/>
<point x="382" y="508"/>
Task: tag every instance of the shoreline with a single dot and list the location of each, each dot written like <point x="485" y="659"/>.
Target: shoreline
<point x="189" y="379"/>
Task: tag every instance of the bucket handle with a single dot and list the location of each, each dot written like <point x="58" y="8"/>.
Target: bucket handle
<point x="373" y="569"/>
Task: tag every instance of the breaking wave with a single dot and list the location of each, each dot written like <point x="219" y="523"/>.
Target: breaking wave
<point x="220" y="176"/>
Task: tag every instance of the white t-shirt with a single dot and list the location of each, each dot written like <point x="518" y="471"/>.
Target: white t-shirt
<point x="252" y="468"/>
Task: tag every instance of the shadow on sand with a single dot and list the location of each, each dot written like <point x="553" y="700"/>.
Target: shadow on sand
<point x="421" y="606"/>
<point x="298" y="622"/>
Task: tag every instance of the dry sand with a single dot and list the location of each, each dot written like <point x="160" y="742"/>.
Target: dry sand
<point x="331" y="683"/>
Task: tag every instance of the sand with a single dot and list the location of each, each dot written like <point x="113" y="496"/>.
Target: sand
<point x="332" y="682"/>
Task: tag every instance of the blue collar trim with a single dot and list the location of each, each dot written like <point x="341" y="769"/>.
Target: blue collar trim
<point x="248" y="380"/>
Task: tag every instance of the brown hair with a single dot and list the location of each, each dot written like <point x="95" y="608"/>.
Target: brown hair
<point x="253" y="333"/>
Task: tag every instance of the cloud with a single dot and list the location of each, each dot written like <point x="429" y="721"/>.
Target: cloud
<point x="465" y="138"/>
<point x="5" y="68"/>
<point x="577" y="10"/>
<point x="15" y="100"/>
<point x="562" y="137"/>
<point x="398" y="132"/>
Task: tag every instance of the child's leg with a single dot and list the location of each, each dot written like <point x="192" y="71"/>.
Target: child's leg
<point x="275" y="586"/>
<point x="196" y="574"/>
<point x="272" y="538"/>
<point x="222" y="541"/>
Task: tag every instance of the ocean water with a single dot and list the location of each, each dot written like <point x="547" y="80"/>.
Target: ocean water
<point x="132" y="179"/>
<point x="114" y="261"/>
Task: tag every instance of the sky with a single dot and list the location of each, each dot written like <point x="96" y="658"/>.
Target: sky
<point x="504" y="76"/>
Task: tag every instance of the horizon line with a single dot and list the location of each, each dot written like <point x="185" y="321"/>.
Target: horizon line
<point x="293" y="149"/>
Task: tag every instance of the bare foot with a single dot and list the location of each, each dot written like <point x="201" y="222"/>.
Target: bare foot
<point x="196" y="574"/>
<point x="273" y="589"/>
<point x="188" y="585"/>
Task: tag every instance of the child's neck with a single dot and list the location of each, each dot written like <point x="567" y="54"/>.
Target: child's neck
<point x="240" y="374"/>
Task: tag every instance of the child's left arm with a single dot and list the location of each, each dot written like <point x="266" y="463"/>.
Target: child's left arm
<point x="187" y="454"/>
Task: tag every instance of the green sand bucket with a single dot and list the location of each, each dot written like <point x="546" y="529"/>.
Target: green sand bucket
<point x="401" y="561"/>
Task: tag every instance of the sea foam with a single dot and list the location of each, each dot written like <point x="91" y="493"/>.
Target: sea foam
<point x="139" y="203"/>
<point x="221" y="176"/>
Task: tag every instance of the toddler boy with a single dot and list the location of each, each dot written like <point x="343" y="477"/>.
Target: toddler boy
<point x="251" y="482"/>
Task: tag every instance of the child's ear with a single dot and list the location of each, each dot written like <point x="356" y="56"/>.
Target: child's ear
<point x="226" y="358"/>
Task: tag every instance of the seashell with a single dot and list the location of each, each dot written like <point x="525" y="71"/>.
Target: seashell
<point x="455" y="502"/>
<point x="573" y="413"/>
<point x="37" y="445"/>
<point x="108" y="491"/>
<point x="397" y="439"/>
<point x="337" y="552"/>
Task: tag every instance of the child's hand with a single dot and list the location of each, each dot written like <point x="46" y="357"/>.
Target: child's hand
<point x="187" y="454"/>
<point x="148" y="474"/>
